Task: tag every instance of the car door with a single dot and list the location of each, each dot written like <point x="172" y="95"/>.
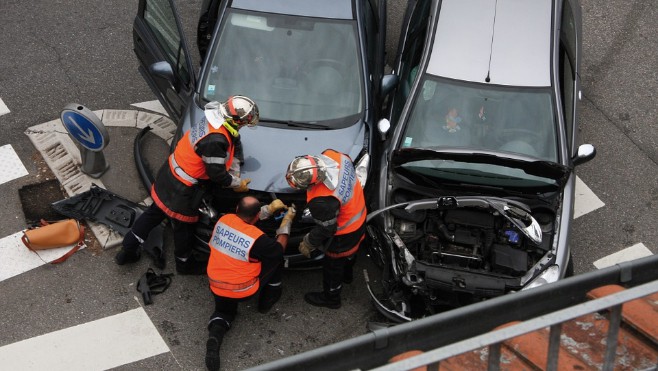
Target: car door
<point x="163" y="54"/>
<point x="375" y="16"/>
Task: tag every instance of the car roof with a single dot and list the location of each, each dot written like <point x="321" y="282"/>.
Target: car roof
<point x="337" y="9"/>
<point x="507" y="40"/>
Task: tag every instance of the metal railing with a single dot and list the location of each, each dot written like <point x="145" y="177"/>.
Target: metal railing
<point x="454" y="332"/>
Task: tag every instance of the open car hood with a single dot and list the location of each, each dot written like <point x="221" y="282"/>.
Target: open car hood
<point x="530" y="165"/>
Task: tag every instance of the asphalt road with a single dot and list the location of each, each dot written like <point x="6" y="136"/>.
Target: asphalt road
<point x="57" y="52"/>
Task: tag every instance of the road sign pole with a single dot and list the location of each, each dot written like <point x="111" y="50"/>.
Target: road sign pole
<point x="93" y="163"/>
<point x="90" y="133"/>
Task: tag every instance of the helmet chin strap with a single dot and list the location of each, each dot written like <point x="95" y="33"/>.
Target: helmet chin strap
<point x="331" y="172"/>
<point x="230" y="128"/>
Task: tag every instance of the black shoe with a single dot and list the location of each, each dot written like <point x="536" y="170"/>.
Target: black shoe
<point x="269" y="297"/>
<point x="190" y="267"/>
<point x="126" y="256"/>
<point x="319" y="299"/>
<point x="212" y="353"/>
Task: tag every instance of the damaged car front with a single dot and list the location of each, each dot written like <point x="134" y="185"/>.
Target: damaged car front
<point x="457" y="230"/>
<point x="476" y="188"/>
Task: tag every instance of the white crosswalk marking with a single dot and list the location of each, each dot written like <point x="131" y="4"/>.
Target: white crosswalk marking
<point x="11" y="166"/>
<point x="3" y="108"/>
<point x="586" y="201"/>
<point x="15" y="258"/>
<point x="98" y="345"/>
<point x="630" y="253"/>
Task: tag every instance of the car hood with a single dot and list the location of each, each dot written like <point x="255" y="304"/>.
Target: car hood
<point x="269" y="150"/>
<point x="530" y="165"/>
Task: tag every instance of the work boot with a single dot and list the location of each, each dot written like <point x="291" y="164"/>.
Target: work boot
<point x="190" y="266"/>
<point x="125" y="256"/>
<point x="268" y="297"/>
<point x="322" y="299"/>
<point x="215" y="337"/>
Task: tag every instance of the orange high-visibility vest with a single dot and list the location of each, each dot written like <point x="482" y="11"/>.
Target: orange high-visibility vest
<point x="348" y="192"/>
<point x="186" y="165"/>
<point x="230" y="273"/>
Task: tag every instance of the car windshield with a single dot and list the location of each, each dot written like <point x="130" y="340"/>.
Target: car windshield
<point x="297" y="69"/>
<point x="505" y="121"/>
<point x="477" y="117"/>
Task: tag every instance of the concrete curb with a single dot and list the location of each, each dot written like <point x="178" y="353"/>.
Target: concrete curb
<point x="63" y="157"/>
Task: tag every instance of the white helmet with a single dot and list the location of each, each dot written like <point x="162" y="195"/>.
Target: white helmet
<point x="306" y="170"/>
<point x="238" y="111"/>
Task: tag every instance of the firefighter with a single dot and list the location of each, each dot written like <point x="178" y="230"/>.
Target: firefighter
<point x="244" y="261"/>
<point x="210" y="151"/>
<point x="336" y="202"/>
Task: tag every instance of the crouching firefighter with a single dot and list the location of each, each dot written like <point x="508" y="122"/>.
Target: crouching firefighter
<point x="244" y="262"/>
<point x="335" y="199"/>
<point x="209" y="152"/>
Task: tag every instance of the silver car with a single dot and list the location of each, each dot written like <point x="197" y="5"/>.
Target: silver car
<point x="476" y="193"/>
<point x="313" y="68"/>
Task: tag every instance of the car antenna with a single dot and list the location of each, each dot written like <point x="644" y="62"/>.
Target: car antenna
<point x="493" y="30"/>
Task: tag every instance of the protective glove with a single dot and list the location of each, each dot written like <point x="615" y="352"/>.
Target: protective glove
<point x="306" y="248"/>
<point x="243" y="186"/>
<point x="268" y="210"/>
<point x="286" y="223"/>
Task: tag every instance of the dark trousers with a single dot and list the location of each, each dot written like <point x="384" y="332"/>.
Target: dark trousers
<point x="334" y="270"/>
<point x="152" y="216"/>
<point x="227" y="308"/>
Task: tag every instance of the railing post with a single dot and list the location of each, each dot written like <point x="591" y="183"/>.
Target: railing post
<point x="611" y="340"/>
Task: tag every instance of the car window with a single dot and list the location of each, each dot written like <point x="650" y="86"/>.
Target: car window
<point x="161" y="20"/>
<point x="567" y="71"/>
<point x="411" y="54"/>
<point x="295" y="68"/>
<point x="482" y="118"/>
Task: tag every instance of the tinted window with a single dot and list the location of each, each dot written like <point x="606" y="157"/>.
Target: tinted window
<point x="567" y="72"/>
<point x="160" y="17"/>
<point x="411" y="54"/>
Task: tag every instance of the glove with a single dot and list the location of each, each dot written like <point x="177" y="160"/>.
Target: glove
<point x="268" y="210"/>
<point x="243" y="186"/>
<point x="286" y="223"/>
<point x="306" y="248"/>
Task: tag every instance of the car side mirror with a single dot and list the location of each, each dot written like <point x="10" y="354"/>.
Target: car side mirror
<point x="389" y="82"/>
<point x="164" y="70"/>
<point x="586" y="152"/>
<point x="383" y="126"/>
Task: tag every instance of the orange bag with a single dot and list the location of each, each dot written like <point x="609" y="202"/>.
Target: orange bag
<point x="58" y="234"/>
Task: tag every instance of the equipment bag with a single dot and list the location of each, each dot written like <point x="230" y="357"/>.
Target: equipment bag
<point x="53" y="235"/>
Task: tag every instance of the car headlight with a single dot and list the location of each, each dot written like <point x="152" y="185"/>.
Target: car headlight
<point x="551" y="274"/>
<point x="362" y="166"/>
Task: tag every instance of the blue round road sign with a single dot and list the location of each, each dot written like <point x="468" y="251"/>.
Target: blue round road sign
<point x="85" y="127"/>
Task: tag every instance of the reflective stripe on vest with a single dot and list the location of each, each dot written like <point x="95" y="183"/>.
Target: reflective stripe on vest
<point x="186" y="165"/>
<point x="348" y="192"/>
<point x="230" y="273"/>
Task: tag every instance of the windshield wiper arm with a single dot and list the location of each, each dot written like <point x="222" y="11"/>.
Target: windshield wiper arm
<point x="299" y="124"/>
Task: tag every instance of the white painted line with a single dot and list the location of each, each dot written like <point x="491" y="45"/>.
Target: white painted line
<point x="11" y="166"/>
<point x="153" y="105"/>
<point x="3" y="108"/>
<point x="98" y="345"/>
<point x="586" y="201"/>
<point x="16" y="258"/>
<point x="636" y="251"/>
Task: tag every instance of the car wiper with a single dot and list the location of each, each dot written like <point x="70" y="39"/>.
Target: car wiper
<point x="299" y="124"/>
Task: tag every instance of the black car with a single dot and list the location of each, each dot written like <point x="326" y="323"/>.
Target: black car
<point x="314" y="68"/>
<point x="476" y="194"/>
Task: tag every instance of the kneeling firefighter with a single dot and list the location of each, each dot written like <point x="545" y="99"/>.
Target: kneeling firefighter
<point x="210" y="150"/>
<point x="244" y="261"/>
<point x="335" y="199"/>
